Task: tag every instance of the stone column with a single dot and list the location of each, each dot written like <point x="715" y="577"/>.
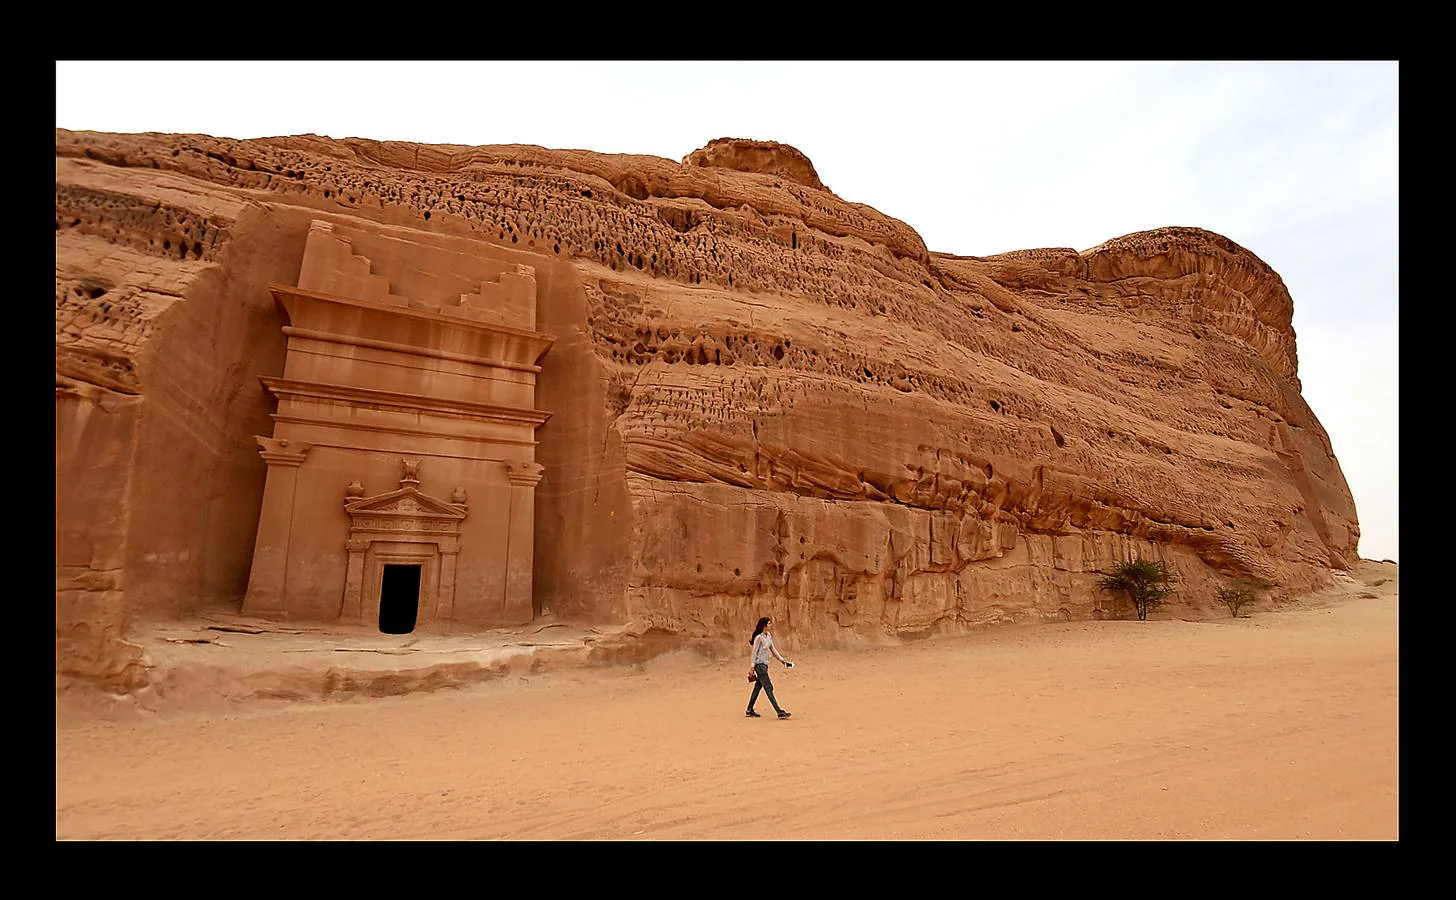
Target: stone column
<point x="352" y="609"/>
<point x="445" y="604"/>
<point x="268" y="581"/>
<point x="521" y="541"/>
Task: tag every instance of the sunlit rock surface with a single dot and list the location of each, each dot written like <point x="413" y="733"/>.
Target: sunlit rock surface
<point x="765" y="399"/>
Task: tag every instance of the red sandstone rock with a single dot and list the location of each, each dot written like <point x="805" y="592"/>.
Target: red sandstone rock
<point x="763" y="157"/>
<point x="763" y="399"/>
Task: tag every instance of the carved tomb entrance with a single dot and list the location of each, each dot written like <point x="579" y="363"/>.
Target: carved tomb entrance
<point x="434" y="376"/>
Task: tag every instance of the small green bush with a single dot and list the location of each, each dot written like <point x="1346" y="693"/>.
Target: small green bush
<point x="1235" y="598"/>
<point x="1146" y="583"/>
<point x="1240" y="593"/>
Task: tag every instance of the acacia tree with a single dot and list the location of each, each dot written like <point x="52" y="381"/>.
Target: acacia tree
<point x="1146" y="583"/>
<point x="1240" y="593"/>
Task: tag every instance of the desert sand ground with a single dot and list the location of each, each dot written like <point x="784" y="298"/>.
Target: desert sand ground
<point x="1282" y="725"/>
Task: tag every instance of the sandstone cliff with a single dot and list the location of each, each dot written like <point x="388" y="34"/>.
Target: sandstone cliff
<point x="765" y="399"/>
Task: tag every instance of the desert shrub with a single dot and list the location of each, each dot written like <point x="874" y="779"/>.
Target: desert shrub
<point x="1235" y="597"/>
<point x="1241" y="592"/>
<point x="1146" y="583"/>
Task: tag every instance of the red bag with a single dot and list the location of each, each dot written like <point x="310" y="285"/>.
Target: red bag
<point x="752" y="676"/>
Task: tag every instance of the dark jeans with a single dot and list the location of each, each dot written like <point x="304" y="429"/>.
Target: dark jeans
<point x="765" y="684"/>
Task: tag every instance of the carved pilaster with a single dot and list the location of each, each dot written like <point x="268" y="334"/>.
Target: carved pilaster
<point x="353" y="606"/>
<point x="282" y="452"/>
<point x="449" y="555"/>
<point x="268" y="580"/>
<point x="520" y="542"/>
<point x="524" y="474"/>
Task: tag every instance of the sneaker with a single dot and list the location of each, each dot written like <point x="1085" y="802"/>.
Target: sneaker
<point x="752" y="715"/>
<point x="784" y="714"/>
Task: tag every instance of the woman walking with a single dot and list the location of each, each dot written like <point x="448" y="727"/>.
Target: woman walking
<point x="763" y="648"/>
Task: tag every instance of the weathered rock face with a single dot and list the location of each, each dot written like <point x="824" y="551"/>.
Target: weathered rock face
<point x="763" y="157"/>
<point x="764" y="400"/>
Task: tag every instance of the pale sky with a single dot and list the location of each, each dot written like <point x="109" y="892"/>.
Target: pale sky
<point x="1296" y="161"/>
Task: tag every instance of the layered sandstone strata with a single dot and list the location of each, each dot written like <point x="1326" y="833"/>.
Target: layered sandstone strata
<point x="764" y="399"/>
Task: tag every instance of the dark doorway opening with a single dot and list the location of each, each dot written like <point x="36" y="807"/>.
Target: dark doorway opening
<point x="399" y="598"/>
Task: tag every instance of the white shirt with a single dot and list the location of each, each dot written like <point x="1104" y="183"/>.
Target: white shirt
<point x="762" y="648"/>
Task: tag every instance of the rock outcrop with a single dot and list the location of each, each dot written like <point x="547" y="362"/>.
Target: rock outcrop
<point x="764" y="399"/>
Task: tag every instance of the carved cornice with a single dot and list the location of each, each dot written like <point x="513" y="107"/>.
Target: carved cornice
<point x="437" y="433"/>
<point x="393" y="347"/>
<point x="281" y="291"/>
<point x="282" y="387"/>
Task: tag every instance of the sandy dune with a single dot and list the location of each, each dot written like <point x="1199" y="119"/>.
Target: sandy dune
<point x="1283" y="725"/>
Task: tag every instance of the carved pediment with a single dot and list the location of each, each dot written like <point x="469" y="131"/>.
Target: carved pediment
<point x="406" y="502"/>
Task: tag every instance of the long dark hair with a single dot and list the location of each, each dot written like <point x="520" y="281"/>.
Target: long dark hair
<point x="759" y="630"/>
